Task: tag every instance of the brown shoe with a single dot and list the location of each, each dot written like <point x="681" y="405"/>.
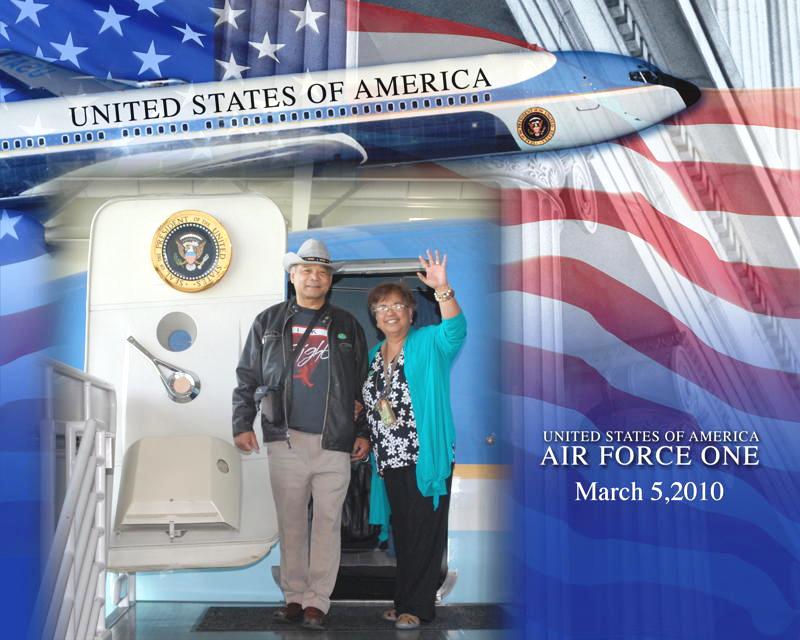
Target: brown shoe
<point x="313" y="618"/>
<point x="292" y="612"/>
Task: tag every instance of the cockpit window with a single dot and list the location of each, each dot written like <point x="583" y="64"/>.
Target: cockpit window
<point x="648" y="77"/>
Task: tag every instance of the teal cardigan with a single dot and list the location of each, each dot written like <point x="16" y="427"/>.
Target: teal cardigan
<point x="429" y="354"/>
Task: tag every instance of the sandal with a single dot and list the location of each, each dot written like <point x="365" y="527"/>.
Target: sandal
<point x="390" y="615"/>
<point x="407" y="621"/>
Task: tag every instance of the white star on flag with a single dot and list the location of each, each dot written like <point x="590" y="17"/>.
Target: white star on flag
<point x="266" y="48"/>
<point x="232" y="69"/>
<point x="37" y="128"/>
<point x="68" y="51"/>
<point x="147" y="5"/>
<point x="308" y="17"/>
<point x="227" y="15"/>
<point x="40" y="54"/>
<point x="30" y="10"/>
<point x="189" y="34"/>
<point x="7" y="224"/>
<point x="111" y="19"/>
<point x="151" y="59"/>
<point x="4" y="30"/>
<point x="4" y="92"/>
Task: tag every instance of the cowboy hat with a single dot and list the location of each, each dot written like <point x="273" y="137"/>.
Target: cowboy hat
<point x="311" y="252"/>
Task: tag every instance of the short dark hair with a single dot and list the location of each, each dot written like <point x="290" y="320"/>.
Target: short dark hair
<point x="385" y="289"/>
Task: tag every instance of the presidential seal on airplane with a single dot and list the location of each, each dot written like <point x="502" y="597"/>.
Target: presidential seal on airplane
<point x="191" y="251"/>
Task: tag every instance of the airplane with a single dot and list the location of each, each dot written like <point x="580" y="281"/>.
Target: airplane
<point x="527" y="101"/>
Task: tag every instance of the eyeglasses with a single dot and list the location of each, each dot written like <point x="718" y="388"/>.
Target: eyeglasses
<point x="380" y="309"/>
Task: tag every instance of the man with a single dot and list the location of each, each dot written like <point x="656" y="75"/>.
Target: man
<point x="310" y="448"/>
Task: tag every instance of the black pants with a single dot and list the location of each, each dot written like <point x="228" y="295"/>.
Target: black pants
<point x="420" y="537"/>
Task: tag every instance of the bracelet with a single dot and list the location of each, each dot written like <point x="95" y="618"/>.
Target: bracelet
<point x="444" y="296"/>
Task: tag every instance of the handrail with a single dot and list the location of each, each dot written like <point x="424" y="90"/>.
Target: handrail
<point x="67" y="604"/>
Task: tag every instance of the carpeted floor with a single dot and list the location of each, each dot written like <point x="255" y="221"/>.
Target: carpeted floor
<point x="351" y="618"/>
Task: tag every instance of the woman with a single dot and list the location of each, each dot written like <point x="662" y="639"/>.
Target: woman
<point x="407" y="397"/>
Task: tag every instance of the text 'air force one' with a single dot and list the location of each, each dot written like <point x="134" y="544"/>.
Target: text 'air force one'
<point x="432" y="110"/>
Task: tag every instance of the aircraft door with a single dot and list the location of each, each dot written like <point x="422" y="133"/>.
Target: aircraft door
<point x="174" y="284"/>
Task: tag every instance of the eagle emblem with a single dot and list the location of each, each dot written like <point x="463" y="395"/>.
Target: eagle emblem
<point x="190" y="251"/>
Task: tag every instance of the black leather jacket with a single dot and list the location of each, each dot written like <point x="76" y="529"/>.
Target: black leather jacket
<point x="262" y="361"/>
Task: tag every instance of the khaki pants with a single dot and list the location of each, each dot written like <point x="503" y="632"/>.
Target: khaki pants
<point x="306" y="470"/>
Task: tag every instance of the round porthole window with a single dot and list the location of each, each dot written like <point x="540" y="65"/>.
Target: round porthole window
<point x="176" y="331"/>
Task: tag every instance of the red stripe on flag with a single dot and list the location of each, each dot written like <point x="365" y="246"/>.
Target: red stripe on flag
<point x="27" y="331"/>
<point x="631" y="317"/>
<point x="744" y="189"/>
<point x="364" y="16"/>
<point x="689" y="253"/>
<point x="778" y="108"/>
<point x="528" y="371"/>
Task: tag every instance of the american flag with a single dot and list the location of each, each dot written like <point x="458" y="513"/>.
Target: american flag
<point x="659" y="292"/>
<point x="649" y="283"/>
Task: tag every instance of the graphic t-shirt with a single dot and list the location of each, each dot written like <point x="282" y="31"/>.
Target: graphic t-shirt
<point x="310" y="375"/>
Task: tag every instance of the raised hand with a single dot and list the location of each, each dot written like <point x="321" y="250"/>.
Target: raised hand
<point x="435" y="270"/>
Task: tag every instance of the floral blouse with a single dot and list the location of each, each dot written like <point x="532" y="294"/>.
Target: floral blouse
<point x="397" y="445"/>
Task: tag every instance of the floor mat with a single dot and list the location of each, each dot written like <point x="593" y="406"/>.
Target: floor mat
<point x="351" y="618"/>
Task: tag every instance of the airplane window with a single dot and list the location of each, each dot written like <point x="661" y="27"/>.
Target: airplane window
<point x="184" y="126"/>
<point x="77" y="137"/>
<point x="245" y="121"/>
<point x="487" y="97"/>
<point x="451" y="100"/>
<point x="342" y="111"/>
<point x="64" y="140"/>
<point x="366" y="108"/>
<point x="354" y="110"/>
<point x="283" y="117"/>
<point x="414" y="104"/>
<point x="6" y="145"/>
<point x="294" y="115"/>
<point x="402" y="106"/>
<point x="221" y="123"/>
<point x="89" y="137"/>
<point x="390" y="106"/>
<point x="331" y="113"/>
<point x="161" y="129"/>
<point x="463" y="99"/>
<point x="234" y="122"/>
<point x="173" y="128"/>
<point x="208" y="124"/>
<point x="475" y="98"/>
<point x="137" y="131"/>
<point x="438" y="102"/>
<point x="40" y="142"/>
<point x="306" y="115"/>
<point x="319" y="113"/>
<point x="101" y="135"/>
<point x="17" y="144"/>
<point x="426" y="102"/>
<point x="148" y="131"/>
<point x="378" y="108"/>
<point x="29" y="142"/>
<point x="257" y="119"/>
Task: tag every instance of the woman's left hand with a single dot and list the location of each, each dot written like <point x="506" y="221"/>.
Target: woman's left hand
<point x="435" y="270"/>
